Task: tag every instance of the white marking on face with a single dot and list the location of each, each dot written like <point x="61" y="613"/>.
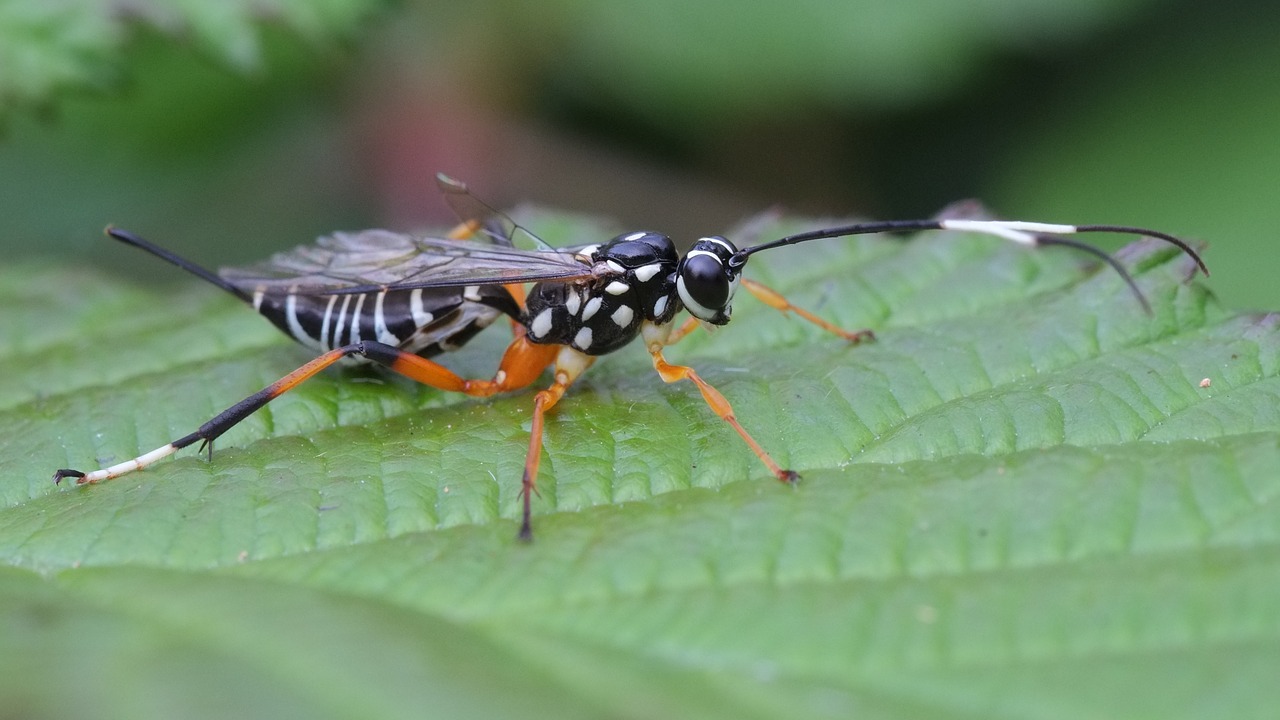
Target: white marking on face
<point x="694" y="307"/>
<point x="582" y="340"/>
<point x="592" y="306"/>
<point x="324" y="325"/>
<point x="645" y="273"/>
<point x="574" y="303"/>
<point x="616" y="288"/>
<point x="615" y="267"/>
<point x="635" y="235"/>
<point x="541" y="324"/>
<point x="623" y="316"/>
<point x="718" y="241"/>
<point x="660" y="306"/>
<point x="471" y="292"/>
<point x="421" y="317"/>
<point x="708" y="253"/>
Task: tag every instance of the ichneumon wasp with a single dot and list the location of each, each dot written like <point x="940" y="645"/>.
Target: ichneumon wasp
<point x="397" y="300"/>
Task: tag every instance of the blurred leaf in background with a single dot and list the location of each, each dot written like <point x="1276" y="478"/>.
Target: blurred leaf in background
<point x="231" y="127"/>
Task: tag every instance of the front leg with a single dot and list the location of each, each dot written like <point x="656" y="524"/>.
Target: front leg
<point x="656" y="337"/>
<point x="774" y="299"/>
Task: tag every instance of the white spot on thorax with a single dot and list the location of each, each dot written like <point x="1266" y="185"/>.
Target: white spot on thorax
<point x="635" y="235"/>
<point x="593" y="305"/>
<point x="574" y="303"/>
<point x="616" y="288"/>
<point x="541" y="324"/>
<point x="623" y="316"/>
<point x="645" y="273"/>
<point x="582" y="340"/>
<point x="614" y="266"/>
<point x="471" y="292"/>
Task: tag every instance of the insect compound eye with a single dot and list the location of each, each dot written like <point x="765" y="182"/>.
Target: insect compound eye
<point x="705" y="282"/>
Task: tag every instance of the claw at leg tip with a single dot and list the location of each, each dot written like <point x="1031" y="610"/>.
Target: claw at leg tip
<point x="66" y="473"/>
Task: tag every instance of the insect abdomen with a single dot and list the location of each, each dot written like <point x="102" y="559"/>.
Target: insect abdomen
<point x="425" y="321"/>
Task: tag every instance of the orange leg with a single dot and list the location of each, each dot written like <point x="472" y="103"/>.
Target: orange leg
<point x="775" y="300"/>
<point x="720" y="406"/>
<point x="689" y="325"/>
<point x="521" y="364"/>
<point x="518" y="293"/>
<point x="465" y="230"/>
<point x="569" y="365"/>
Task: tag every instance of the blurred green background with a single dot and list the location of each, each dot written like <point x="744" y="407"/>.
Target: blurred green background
<point x="227" y="130"/>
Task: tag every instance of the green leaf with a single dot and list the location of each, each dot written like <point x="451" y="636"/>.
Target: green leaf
<point x="1021" y="501"/>
<point x="48" y="47"/>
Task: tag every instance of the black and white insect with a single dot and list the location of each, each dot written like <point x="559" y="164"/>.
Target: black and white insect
<point x="397" y="300"/>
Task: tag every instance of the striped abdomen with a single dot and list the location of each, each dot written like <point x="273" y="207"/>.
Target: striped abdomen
<point x="424" y="321"/>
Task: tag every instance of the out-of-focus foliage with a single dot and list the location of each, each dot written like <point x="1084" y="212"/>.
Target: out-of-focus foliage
<point x="244" y="125"/>
<point x="661" y="58"/>
<point x="48" y="48"/>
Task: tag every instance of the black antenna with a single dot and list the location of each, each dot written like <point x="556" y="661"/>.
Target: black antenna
<point x="129" y="238"/>
<point x="497" y="225"/>
<point x="1026" y="233"/>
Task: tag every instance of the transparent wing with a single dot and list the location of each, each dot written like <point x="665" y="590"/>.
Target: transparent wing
<point x="489" y="224"/>
<point x="372" y="260"/>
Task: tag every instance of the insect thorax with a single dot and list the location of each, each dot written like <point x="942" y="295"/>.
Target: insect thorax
<point x="634" y="281"/>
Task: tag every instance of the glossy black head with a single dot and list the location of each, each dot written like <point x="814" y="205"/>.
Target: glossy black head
<point x="706" y="280"/>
